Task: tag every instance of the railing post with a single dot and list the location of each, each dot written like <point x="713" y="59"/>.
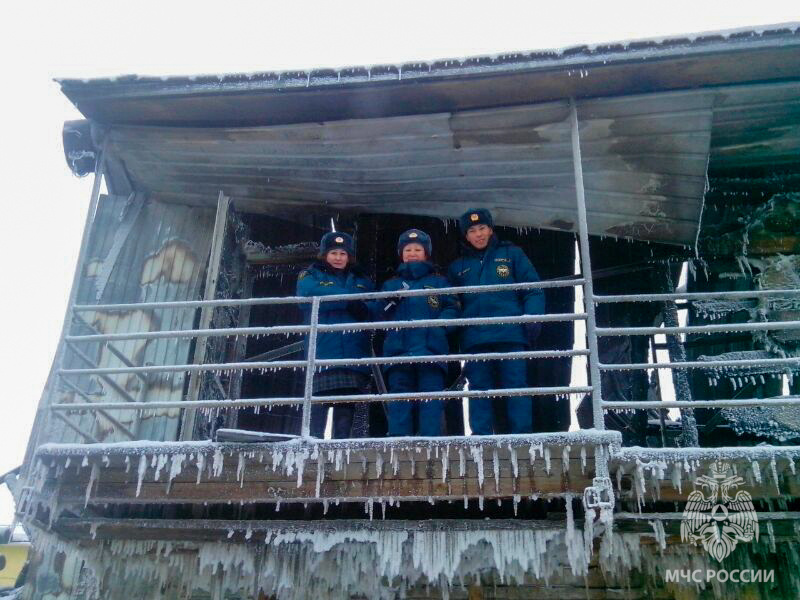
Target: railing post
<point x="308" y="392"/>
<point x="586" y="270"/>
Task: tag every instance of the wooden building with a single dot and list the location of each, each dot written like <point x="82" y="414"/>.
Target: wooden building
<point x="629" y="160"/>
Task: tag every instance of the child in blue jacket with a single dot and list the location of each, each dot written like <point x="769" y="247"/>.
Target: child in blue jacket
<point x="486" y="260"/>
<point x="335" y="273"/>
<point x="415" y="272"/>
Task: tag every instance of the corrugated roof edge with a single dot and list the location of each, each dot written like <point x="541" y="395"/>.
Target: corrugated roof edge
<point x="654" y="48"/>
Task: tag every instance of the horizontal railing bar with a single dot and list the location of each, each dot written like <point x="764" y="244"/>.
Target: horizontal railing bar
<point x="93" y="365"/>
<point x="248" y="402"/>
<point x="710" y="364"/>
<point x="693" y="296"/>
<point x="468" y="289"/>
<point x="735" y="403"/>
<point x="611" y="331"/>
<point x="679" y="516"/>
<point x="279" y="329"/>
<point x="331" y="362"/>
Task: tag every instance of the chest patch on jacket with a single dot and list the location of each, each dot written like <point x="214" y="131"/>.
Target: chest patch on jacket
<point x="433" y="301"/>
<point x="502" y="260"/>
<point x="503" y="271"/>
<point x="326" y="283"/>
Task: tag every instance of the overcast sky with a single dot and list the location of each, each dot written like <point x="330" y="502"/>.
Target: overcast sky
<point x="44" y="205"/>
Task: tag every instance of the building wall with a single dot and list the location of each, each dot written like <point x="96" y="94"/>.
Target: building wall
<point x="140" y="250"/>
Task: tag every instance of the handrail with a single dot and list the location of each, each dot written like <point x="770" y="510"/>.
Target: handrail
<point x="468" y="289"/>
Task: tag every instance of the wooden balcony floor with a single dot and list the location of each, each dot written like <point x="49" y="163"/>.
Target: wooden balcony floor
<point x="382" y="470"/>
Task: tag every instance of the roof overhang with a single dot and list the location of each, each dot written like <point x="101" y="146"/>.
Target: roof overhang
<point x="437" y="139"/>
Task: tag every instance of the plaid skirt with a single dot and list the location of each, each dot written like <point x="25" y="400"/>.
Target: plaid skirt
<point x="333" y="379"/>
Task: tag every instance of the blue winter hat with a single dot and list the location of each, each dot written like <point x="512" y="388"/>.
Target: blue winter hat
<point x="337" y="239"/>
<point x="415" y="236"/>
<point x="475" y="216"/>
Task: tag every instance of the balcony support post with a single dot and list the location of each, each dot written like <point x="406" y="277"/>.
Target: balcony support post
<point x="308" y="392"/>
<point x="586" y="272"/>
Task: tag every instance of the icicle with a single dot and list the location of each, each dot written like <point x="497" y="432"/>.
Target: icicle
<point x="477" y="456"/>
<point x="378" y="465"/>
<point x="677" y="480"/>
<point x="445" y="463"/>
<point x="565" y="459"/>
<point x="583" y="460"/>
<point x="771" y="534"/>
<point x="514" y="463"/>
<point x="774" y="470"/>
<point x="201" y="464"/>
<point x="547" y="459"/>
<point x="142" y="470"/>
<point x="462" y="462"/>
<point x="756" y="471"/>
<point x="95" y="472"/>
<point x="175" y="468"/>
<point x="496" y="469"/>
<point x="218" y="463"/>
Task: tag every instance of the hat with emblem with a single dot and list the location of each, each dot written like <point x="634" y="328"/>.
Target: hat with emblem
<point x="475" y="216"/>
<point x="336" y="239"/>
<point x="415" y="236"/>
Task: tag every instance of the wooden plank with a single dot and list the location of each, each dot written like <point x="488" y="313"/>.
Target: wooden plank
<point x="206" y="313"/>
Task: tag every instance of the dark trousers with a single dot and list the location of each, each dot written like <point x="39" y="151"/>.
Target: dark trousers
<point x="499" y="374"/>
<point x="411" y="379"/>
<point x="342" y="415"/>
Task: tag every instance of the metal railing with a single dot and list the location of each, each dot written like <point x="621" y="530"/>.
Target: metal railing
<point x="312" y="364"/>
<point x="788" y="364"/>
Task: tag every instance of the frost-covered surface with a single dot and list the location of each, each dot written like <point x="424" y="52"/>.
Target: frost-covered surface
<point x="741" y="375"/>
<point x="306" y="463"/>
<point x="579" y="55"/>
<point x="781" y="423"/>
<point x="388" y="563"/>
<point x="341" y="563"/>
<point x="650" y="466"/>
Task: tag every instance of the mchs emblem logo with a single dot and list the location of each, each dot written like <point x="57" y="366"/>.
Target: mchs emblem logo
<point x="719" y="520"/>
<point x="433" y="301"/>
<point x="503" y="271"/>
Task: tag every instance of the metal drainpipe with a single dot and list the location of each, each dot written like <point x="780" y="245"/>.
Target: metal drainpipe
<point x="305" y="429"/>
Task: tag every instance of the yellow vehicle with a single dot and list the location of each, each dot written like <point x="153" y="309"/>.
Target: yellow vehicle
<point x="14" y="548"/>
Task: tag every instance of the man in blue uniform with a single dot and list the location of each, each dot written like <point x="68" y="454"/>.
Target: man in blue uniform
<point x="486" y="260"/>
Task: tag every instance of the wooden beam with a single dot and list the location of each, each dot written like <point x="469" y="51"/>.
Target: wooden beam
<point x="189" y="418"/>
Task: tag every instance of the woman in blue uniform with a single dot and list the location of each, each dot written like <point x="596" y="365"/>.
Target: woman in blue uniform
<point x="416" y="271"/>
<point x="485" y="260"/>
<point x="334" y="273"/>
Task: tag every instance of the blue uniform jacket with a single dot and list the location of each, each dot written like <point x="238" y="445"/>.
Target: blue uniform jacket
<point x="322" y="280"/>
<point x="500" y="262"/>
<point x="418" y="341"/>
